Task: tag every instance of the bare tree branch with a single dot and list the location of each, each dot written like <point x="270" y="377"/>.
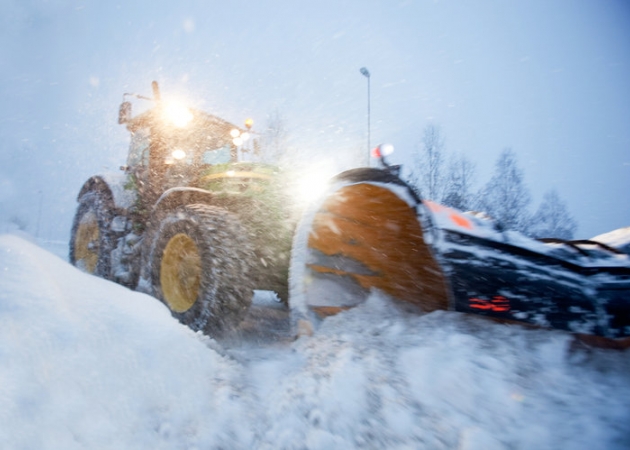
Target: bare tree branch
<point x="505" y="197"/>
<point x="274" y="142"/>
<point x="459" y="183"/>
<point x="552" y="219"/>
<point x="427" y="174"/>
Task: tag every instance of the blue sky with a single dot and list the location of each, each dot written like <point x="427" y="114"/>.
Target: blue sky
<point x="549" y="79"/>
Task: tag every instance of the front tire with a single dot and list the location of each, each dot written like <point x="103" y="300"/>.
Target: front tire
<point x="90" y="239"/>
<point x="200" y="267"/>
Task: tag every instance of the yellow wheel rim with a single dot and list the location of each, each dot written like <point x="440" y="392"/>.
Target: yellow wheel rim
<point x="180" y="273"/>
<point x="86" y="243"/>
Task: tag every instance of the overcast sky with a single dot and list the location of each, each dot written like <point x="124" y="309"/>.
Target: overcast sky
<point x="550" y="79"/>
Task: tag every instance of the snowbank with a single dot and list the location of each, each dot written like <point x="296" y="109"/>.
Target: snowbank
<point x="89" y="364"/>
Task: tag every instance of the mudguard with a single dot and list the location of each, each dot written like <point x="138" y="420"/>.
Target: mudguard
<point x="116" y="187"/>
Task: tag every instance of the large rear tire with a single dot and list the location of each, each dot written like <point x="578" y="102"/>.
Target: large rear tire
<point x="90" y="238"/>
<point x="200" y="267"/>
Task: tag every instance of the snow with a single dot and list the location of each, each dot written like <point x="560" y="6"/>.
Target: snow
<point x="475" y="224"/>
<point x="90" y="364"/>
<point x="619" y="239"/>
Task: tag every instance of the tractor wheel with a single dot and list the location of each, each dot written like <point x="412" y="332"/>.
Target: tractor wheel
<point x="200" y="267"/>
<point x="90" y="240"/>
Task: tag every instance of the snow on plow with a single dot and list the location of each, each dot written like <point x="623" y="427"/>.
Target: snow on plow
<point x="372" y="231"/>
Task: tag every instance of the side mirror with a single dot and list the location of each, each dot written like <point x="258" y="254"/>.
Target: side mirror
<point x="124" y="112"/>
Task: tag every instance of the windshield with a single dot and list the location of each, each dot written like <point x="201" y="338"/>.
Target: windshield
<point x="198" y="145"/>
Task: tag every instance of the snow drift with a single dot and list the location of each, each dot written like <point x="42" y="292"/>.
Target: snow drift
<point x="89" y="364"/>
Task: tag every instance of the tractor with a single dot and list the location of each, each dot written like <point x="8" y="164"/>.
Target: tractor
<point x="191" y="223"/>
<point x="187" y="220"/>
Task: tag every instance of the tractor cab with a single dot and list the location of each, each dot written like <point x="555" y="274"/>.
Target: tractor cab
<point x="173" y="145"/>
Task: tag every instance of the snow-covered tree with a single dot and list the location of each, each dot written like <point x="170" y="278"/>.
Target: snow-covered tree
<point x="459" y="183"/>
<point x="505" y="197"/>
<point x="552" y="219"/>
<point x="427" y="174"/>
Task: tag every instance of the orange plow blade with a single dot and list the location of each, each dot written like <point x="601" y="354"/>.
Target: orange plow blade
<point x="365" y="237"/>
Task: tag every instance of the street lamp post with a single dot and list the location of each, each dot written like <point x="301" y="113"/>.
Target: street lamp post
<point x="366" y="74"/>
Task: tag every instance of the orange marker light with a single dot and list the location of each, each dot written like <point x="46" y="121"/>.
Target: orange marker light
<point x="461" y="221"/>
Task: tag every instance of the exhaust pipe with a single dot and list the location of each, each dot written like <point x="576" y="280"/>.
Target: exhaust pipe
<point x="156" y="91"/>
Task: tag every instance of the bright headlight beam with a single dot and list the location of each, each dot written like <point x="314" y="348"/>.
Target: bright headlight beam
<point x="177" y="114"/>
<point x="178" y="154"/>
<point x="311" y="186"/>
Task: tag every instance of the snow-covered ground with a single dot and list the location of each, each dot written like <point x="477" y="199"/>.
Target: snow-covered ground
<point x="89" y="364"/>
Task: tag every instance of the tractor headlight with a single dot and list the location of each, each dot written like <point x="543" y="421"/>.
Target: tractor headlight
<point x="178" y="154"/>
<point x="177" y="114"/>
<point x="313" y="183"/>
<point x="239" y="138"/>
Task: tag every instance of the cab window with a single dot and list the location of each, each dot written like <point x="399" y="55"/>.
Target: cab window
<point x="139" y="148"/>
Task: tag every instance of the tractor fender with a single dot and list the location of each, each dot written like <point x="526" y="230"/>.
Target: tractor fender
<point x="115" y="187"/>
<point x="179" y="196"/>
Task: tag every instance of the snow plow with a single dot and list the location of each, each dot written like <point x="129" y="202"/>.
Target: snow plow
<point x="373" y="231"/>
<point x="191" y="223"/>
